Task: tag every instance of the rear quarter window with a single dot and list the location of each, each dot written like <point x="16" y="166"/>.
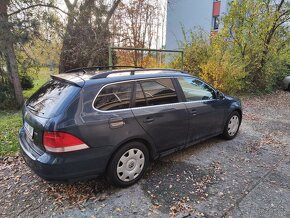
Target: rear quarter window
<point x="114" y="97"/>
<point x="52" y="98"/>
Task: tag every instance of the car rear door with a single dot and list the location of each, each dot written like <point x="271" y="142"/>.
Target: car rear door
<point x="206" y="112"/>
<point x="158" y="110"/>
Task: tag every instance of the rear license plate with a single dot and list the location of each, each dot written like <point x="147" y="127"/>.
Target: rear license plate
<point x="28" y="130"/>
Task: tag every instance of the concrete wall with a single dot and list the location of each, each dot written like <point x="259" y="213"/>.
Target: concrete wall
<point x="190" y="14"/>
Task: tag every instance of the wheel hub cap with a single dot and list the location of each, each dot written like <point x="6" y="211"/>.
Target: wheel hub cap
<point x="233" y="125"/>
<point x="130" y="165"/>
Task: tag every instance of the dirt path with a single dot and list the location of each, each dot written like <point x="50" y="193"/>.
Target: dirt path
<point x="246" y="177"/>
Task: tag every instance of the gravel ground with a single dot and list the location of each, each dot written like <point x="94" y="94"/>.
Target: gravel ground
<point x="246" y="177"/>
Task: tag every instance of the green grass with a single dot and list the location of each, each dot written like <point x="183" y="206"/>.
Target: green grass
<point x="11" y="121"/>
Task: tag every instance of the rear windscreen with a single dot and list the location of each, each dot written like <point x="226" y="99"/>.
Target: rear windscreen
<point x="51" y="98"/>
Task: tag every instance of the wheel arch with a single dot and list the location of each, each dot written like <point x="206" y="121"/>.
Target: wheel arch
<point x="239" y="111"/>
<point x="230" y="111"/>
<point x="149" y="145"/>
<point x="151" y="149"/>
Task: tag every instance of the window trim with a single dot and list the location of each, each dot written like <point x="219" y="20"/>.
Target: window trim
<point x="132" y="103"/>
<point x="175" y="82"/>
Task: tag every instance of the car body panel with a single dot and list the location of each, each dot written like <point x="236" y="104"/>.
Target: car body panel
<point x="67" y="166"/>
<point x="202" y="115"/>
<point x="167" y="125"/>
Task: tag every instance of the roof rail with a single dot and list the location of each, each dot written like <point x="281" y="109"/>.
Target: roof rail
<point x="133" y="71"/>
<point x="84" y="69"/>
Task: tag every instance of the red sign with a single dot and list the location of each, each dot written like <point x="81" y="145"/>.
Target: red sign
<point x="216" y="8"/>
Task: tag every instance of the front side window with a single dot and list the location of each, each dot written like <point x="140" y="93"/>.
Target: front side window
<point x="155" y="92"/>
<point x="114" y="97"/>
<point x="196" y="90"/>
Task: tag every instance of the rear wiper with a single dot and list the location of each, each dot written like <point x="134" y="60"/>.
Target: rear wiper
<point x="31" y="108"/>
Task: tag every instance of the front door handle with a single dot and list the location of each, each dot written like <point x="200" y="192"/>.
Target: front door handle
<point x="148" y="120"/>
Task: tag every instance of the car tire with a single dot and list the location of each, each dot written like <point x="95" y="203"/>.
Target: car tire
<point x="232" y="126"/>
<point x="128" y="164"/>
<point x="289" y="87"/>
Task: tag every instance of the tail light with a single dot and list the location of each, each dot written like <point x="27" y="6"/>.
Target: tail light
<point x="59" y="142"/>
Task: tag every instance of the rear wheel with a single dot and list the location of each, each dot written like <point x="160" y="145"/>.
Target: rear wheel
<point x="232" y="126"/>
<point x="289" y="87"/>
<point x="128" y="164"/>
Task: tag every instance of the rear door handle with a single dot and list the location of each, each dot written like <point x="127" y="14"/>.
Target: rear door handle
<point x="148" y="120"/>
<point x="116" y="122"/>
<point x="193" y="112"/>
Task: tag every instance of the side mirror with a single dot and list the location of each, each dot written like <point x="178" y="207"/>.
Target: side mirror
<point x="220" y="95"/>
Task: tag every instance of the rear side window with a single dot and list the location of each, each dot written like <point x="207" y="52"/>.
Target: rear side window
<point x="114" y="97"/>
<point x="51" y="98"/>
<point x="155" y="92"/>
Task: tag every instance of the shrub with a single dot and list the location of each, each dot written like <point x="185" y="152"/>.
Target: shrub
<point x="197" y="50"/>
<point x="7" y="99"/>
<point x="250" y="52"/>
<point x="26" y="82"/>
<point x="224" y="75"/>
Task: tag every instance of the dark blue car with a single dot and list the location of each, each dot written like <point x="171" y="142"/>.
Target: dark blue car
<point x="91" y="122"/>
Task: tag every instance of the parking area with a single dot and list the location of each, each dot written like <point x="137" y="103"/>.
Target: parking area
<point x="246" y="177"/>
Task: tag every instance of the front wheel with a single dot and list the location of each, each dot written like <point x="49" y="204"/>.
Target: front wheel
<point x="232" y="126"/>
<point x="128" y="164"/>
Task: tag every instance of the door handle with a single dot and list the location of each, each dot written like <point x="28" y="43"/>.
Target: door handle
<point x="116" y="122"/>
<point x="168" y="110"/>
<point x="148" y="120"/>
<point x="193" y="112"/>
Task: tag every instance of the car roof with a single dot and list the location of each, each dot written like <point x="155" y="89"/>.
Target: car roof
<point x="81" y="77"/>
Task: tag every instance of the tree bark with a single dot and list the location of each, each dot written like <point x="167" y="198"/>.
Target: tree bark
<point x="7" y="43"/>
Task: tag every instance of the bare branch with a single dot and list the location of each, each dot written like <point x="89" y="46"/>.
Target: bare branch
<point x="111" y="11"/>
<point x="280" y="5"/>
<point x="70" y="6"/>
<point x="37" y="5"/>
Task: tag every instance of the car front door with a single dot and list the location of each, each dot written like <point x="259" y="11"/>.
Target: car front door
<point x="205" y="111"/>
<point x="159" y="112"/>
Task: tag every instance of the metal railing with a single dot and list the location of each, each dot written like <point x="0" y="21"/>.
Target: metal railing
<point x="111" y="48"/>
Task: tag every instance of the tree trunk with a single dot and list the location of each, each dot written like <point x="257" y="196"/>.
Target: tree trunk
<point x="6" y="42"/>
<point x="62" y="58"/>
<point x="71" y="12"/>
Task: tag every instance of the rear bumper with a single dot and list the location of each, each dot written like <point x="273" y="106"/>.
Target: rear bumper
<point x="72" y="166"/>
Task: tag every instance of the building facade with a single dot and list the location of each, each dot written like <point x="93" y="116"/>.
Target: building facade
<point x="188" y="15"/>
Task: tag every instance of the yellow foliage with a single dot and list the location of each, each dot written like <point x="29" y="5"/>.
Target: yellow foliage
<point x="224" y="75"/>
<point x="126" y="58"/>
